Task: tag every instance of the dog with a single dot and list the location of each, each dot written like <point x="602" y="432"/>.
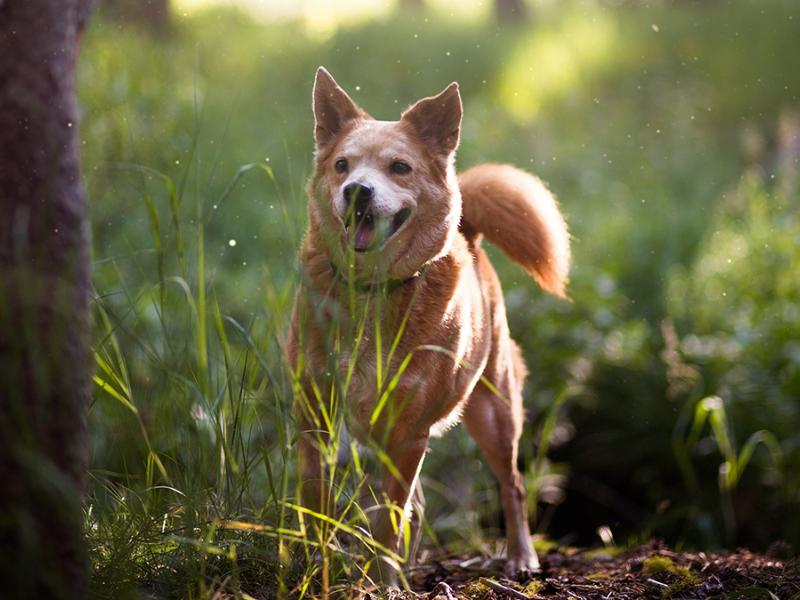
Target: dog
<point x="400" y="311"/>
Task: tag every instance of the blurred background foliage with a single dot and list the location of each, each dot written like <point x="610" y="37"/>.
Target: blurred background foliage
<point x="670" y="132"/>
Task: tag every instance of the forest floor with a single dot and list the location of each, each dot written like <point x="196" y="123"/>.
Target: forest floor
<point x="648" y="571"/>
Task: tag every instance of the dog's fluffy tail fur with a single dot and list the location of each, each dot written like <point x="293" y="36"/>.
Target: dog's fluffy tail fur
<point x="517" y="213"/>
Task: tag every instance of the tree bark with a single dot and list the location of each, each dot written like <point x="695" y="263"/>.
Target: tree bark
<point x="45" y="369"/>
<point x="510" y="11"/>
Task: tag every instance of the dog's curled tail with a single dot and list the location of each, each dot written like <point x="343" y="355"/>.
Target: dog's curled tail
<point x="517" y="213"/>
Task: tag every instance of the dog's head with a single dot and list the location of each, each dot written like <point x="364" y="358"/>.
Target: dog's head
<point x="384" y="195"/>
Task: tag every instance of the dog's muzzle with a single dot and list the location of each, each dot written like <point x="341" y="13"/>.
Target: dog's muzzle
<point x="365" y="229"/>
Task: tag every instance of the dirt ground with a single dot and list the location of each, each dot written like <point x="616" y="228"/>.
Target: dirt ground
<point x="648" y="571"/>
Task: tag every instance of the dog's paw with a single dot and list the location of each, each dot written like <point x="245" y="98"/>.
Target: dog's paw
<point x="522" y="567"/>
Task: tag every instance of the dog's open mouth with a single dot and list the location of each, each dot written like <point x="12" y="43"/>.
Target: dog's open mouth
<point x="368" y="231"/>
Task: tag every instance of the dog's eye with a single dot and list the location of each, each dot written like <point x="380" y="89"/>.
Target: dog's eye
<point x="340" y="165"/>
<point x="400" y="168"/>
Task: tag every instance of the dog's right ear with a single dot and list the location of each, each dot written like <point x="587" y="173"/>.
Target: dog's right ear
<point x="333" y="108"/>
<point x="437" y="120"/>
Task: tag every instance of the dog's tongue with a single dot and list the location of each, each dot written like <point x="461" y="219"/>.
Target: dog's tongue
<point x="364" y="235"/>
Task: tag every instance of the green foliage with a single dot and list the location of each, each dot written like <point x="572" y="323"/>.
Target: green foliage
<point x="683" y="288"/>
<point x="737" y="306"/>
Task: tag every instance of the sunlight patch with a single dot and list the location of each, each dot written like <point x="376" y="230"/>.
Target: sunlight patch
<point x="555" y="60"/>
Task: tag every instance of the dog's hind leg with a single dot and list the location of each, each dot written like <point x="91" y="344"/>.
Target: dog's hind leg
<point x="495" y="423"/>
<point x="417" y="516"/>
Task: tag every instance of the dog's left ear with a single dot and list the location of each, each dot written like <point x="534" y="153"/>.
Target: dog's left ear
<point x="437" y="120"/>
<point x="333" y="108"/>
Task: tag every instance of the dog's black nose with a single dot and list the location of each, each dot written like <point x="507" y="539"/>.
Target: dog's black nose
<point x="359" y="194"/>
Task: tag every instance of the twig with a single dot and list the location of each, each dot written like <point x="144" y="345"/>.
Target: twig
<point x="582" y="586"/>
<point x="658" y="583"/>
<point x="499" y="587"/>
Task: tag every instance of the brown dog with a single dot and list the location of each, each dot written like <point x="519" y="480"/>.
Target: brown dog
<point x="401" y="314"/>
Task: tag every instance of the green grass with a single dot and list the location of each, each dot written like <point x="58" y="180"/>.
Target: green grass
<point x="195" y="152"/>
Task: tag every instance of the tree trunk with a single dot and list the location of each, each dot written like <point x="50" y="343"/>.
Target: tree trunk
<point x="510" y="11"/>
<point x="45" y="369"/>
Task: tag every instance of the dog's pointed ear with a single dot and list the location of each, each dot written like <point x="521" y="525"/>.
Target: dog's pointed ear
<point x="333" y="108"/>
<point x="437" y="120"/>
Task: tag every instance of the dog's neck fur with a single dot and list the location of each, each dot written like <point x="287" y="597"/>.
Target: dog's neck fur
<point x="386" y="286"/>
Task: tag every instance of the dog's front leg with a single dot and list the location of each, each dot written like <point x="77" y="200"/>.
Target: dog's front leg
<point x="397" y="485"/>
<point x="313" y="481"/>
